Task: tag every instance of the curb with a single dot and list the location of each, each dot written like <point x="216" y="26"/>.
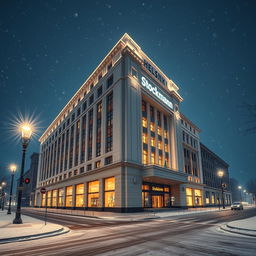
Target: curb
<point x="234" y="230"/>
<point x="57" y="232"/>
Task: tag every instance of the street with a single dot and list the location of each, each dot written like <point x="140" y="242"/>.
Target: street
<point x="196" y="234"/>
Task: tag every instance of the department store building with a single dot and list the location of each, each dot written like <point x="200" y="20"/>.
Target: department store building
<point x="121" y="143"/>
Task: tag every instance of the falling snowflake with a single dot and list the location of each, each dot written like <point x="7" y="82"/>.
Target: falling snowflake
<point x="76" y="15"/>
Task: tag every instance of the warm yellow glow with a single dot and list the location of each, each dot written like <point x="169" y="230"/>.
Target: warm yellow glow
<point x="13" y="167"/>
<point x="26" y="131"/>
<point x="220" y="173"/>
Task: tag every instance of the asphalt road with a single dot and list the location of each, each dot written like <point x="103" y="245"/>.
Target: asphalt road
<point x="196" y="234"/>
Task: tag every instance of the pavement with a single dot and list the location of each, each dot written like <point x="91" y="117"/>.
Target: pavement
<point x="30" y="229"/>
<point x="245" y="227"/>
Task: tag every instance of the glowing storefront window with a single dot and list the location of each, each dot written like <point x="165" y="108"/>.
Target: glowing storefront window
<point x="80" y="195"/>
<point x="145" y="157"/>
<point x="43" y="200"/>
<point x="109" y="192"/>
<point x="144" y="122"/>
<point x="93" y="193"/>
<point x="49" y="198"/>
<point x="61" y="197"/>
<point x="213" y="198"/>
<point x="189" y="196"/>
<point x="198" y="197"/>
<point x="69" y="192"/>
<point x="54" y="197"/>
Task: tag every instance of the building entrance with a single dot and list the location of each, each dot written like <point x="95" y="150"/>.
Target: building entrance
<point x="157" y="201"/>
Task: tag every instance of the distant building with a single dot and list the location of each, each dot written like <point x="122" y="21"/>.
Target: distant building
<point x="28" y="193"/>
<point x="211" y="164"/>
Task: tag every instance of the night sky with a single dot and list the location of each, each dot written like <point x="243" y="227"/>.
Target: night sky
<point x="48" y="49"/>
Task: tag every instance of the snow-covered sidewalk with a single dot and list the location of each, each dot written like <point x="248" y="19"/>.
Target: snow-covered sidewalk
<point x="243" y="227"/>
<point x="30" y="229"/>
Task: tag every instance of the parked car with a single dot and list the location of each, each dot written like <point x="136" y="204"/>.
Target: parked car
<point x="237" y="206"/>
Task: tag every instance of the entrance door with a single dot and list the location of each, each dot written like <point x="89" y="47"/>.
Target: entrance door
<point x="157" y="201"/>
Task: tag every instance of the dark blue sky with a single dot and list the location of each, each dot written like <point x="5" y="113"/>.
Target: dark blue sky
<point x="48" y="48"/>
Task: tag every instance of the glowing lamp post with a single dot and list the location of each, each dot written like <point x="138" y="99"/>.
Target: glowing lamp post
<point x="13" y="168"/>
<point x="26" y="133"/>
<point x="220" y="174"/>
<point x="240" y="189"/>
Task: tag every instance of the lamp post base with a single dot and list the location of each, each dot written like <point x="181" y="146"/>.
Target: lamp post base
<point x="9" y="212"/>
<point x="17" y="221"/>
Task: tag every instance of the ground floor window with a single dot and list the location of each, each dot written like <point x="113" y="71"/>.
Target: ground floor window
<point x="69" y="193"/>
<point x="54" y="197"/>
<point x="49" y="198"/>
<point x="109" y="191"/>
<point x="207" y="197"/>
<point x="213" y="198"/>
<point x="198" y="197"/>
<point x="80" y="195"/>
<point x="61" y="197"/>
<point x="189" y="196"/>
<point x="155" y="195"/>
<point x="93" y="193"/>
<point x="43" y="200"/>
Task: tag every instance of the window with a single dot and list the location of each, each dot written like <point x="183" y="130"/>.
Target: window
<point x="69" y="192"/>
<point x="83" y="132"/>
<point x="89" y="167"/>
<point x="78" y="112"/>
<point x="152" y="157"/>
<point x="153" y="142"/>
<point x="91" y="99"/>
<point x="93" y="193"/>
<point x="90" y="134"/>
<point x="77" y="142"/>
<point x="80" y="195"/>
<point x="61" y="197"/>
<point x="198" y="197"/>
<point x="144" y="138"/>
<point x="98" y="129"/>
<point x="91" y="86"/>
<point x="49" y="198"/>
<point x="160" y="160"/>
<point x="97" y="164"/>
<point x="109" y="66"/>
<point x="75" y="172"/>
<point x="189" y="196"/>
<point x="145" y="157"/>
<point x="144" y="106"/>
<point x="82" y="170"/>
<point x="109" y="192"/>
<point x="159" y="130"/>
<point x="108" y="160"/>
<point x="110" y="81"/>
<point x="43" y="200"/>
<point x="71" y="147"/>
<point x="73" y="117"/>
<point x="109" y="123"/>
<point x="99" y="76"/>
<point x="134" y="72"/>
<point x="144" y="122"/>
<point x="99" y="92"/>
<point x="84" y="105"/>
<point x="160" y="145"/>
<point x="68" y="121"/>
<point x="152" y="126"/>
<point x="54" y="198"/>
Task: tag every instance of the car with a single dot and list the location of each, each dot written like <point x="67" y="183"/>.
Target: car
<point x="237" y="206"/>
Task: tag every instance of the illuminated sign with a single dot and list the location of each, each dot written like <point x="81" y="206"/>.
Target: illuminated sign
<point x="154" y="72"/>
<point x="157" y="189"/>
<point x="153" y="89"/>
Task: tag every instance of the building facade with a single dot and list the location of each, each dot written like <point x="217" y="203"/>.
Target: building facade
<point x="121" y="143"/>
<point x="211" y="164"/>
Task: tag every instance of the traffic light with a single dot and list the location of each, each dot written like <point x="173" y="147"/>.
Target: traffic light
<point x="27" y="180"/>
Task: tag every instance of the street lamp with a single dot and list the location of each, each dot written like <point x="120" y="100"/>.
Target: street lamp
<point x="13" y="168"/>
<point x="26" y="133"/>
<point x="240" y="189"/>
<point x="2" y="195"/>
<point x="220" y="174"/>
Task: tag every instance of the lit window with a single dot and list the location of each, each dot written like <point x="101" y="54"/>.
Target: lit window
<point x="43" y="200"/>
<point x="144" y="138"/>
<point x="69" y="192"/>
<point x="97" y="164"/>
<point x="152" y="158"/>
<point x="80" y="195"/>
<point x="61" y="197"/>
<point x="166" y="147"/>
<point x="109" y="192"/>
<point x="189" y="196"/>
<point x="160" y="144"/>
<point x="145" y="157"/>
<point x="49" y="198"/>
<point x="144" y="122"/>
<point x="54" y="197"/>
<point x="153" y="142"/>
<point x="93" y="193"/>
<point x="159" y="130"/>
<point x="165" y="134"/>
<point x="160" y="160"/>
<point x="152" y="126"/>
